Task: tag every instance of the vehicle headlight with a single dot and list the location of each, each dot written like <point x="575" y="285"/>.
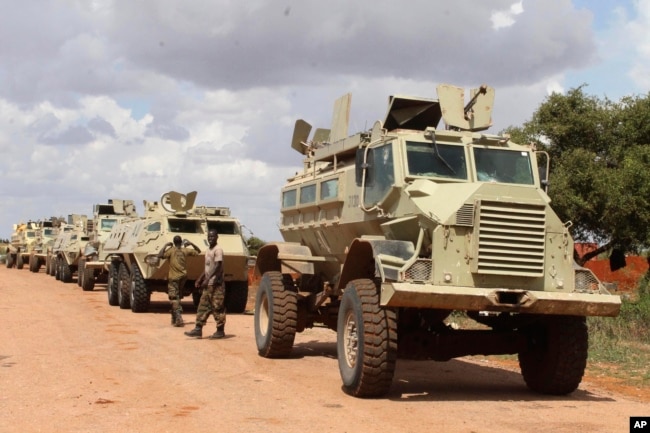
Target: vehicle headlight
<point x="152" y="260"/>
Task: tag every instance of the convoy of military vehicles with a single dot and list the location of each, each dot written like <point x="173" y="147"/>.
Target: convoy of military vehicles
<point x="389" y="235"/>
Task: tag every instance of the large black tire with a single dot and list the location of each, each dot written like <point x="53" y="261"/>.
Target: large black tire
<point x="236" y="296"/>
<point x="10" y="261"/>
<point x="19" y="261"/>
<point x="123" y="287"/>
<point x="276" y="315"/>
<point x="113" y="283"/>
<point x="80" y="270"/>
<point x="66" y="272"/>
<point x="140" y="296"/>
<point x="87" y="277"/>
<point x="34" y="263"/>
<point x="57" y="269"/>
<point x="53" y="266"/>
<point x="556" y="357"/>
<point x="366" y="341"/>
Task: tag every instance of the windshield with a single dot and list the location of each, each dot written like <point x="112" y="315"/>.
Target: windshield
<point x="499" y="165"/>
<point x="107" y="224"/>
<point x="440" y="160"/>
<point x="184" y="226"/>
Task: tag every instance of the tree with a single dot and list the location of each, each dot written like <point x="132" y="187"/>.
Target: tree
<point x="600" y="166"/>
<point x="254" y="244"/>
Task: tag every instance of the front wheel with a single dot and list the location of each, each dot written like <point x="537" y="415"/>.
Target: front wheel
<point x="113" y="284"/>
<point x="123" y="287"/>
<point x="556" y="355"/>
<point x="366" y="341"/>
<point x="276" y="316"/>
<point x="87" y="276"/>
<point x="140" y="296"/>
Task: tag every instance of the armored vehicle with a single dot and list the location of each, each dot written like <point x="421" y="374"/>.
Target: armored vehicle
<point x="67" y="247"/>
<point x="23" y="239"/>
<point x="45" y="235"/>
<point x="394" y="234"/>
<point x="135" y="271"/>
<point x="94" y="263"/>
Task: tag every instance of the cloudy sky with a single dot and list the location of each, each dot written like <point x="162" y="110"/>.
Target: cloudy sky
<point x="129" y="99"/>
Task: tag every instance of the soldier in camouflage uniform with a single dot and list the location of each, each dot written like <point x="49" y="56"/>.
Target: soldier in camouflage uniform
<point x="213" y="296"/>
<point x="176" y="254"/>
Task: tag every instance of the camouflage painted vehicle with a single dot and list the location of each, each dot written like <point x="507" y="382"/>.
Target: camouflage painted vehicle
<point x="67" y="247"/>
<point x="392" y="233"/>
<point x="94" y="264"/>
<point x="132" y="246"/>
<point x="45" y="236"/>
<point x="23" y="240"/>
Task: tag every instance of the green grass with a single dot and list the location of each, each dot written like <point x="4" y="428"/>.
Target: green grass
<point x="620" y="346"/>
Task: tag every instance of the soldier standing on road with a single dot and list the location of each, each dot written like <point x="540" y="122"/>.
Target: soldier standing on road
<point x="214" y="293"/>
<point x="177" y="273"/>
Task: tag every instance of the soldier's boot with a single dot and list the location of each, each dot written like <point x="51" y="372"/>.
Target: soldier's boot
<point x="196" y="332"/>
<point x="218" y="334"/>
<point x="178" y="320"/>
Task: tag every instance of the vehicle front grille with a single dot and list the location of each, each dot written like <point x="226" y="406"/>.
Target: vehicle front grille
<point x="511" y="239"/>
<point x="420" y="270"/>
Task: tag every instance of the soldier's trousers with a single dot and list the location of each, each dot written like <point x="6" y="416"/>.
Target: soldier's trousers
<point x="174" y="291"/>
<point x="212" y="302"/>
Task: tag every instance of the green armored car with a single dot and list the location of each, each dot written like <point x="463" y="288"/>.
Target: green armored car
<point x="392" y="233"/>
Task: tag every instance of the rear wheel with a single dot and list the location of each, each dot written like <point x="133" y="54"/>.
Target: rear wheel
<point x="10" y="261"/>
<point x="366" y="341"/>
<point x="123" y="287"/>
<point x="19" y="261"/>
<point x="140" y="296"/>
<point x="80" y="271"/>
<point x="113" y="282"/>
<point x="556" y="357"/>
<point x="57" y="269"/>
<point x="276" y="315"/>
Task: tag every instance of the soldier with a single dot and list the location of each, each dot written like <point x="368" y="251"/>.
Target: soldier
<point x="213" y="297"/>
<point x="177" y="273"/>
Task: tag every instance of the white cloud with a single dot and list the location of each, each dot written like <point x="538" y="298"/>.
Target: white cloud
<point x="501" y="19"/>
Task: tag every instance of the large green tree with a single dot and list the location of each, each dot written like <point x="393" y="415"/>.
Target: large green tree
<point x="600" y="166"/>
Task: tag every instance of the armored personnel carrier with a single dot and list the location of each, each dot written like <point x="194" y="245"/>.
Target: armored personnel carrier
<point x="393" y="233"/>
<point x="45" y="236"/>
<point x="68" y="245"/>
<point x="94" y="263"/>
<point x="23" y="239"/>
<point x="135" y="271"/>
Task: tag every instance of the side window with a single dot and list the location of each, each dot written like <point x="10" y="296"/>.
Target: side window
<point x="154" y="227"/>
<point x="380" y="173"/>
<point x="329" y="189"/>
<point x="308" y="194"/>
<point x="289" y="198"/>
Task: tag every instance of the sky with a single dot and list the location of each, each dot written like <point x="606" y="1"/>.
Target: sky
<point x="129" y="99"/>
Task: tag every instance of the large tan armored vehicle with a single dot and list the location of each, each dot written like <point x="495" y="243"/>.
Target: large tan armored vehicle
<point x="94" y="263"/>
<point x="392" y="233"/>
<point x="135" y="271"/>
<point x="67" y="247"/>
<point x="23" y="239"/>
<point x="45" y="236"/>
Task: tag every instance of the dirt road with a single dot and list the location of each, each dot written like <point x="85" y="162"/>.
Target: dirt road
<point x="72" y="363"/>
